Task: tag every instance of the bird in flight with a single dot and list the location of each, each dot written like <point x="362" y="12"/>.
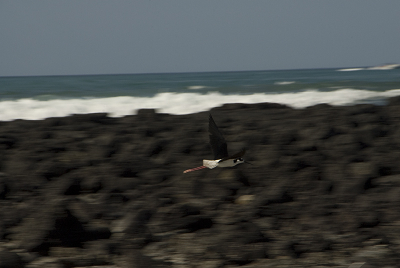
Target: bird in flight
<point x="220" y="150"/>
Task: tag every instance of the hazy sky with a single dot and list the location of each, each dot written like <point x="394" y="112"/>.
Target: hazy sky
<point x="51" y="37"/>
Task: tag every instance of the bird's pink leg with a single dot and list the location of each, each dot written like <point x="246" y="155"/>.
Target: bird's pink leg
<point x="194" y="169"/>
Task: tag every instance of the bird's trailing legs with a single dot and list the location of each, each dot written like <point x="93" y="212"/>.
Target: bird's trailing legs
<point x="194" y="169"/>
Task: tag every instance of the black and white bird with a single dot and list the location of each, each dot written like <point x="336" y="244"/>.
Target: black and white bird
<point x="220" y="150"/>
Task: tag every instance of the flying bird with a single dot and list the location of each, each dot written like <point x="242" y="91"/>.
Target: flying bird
<point x="220" y="150"/>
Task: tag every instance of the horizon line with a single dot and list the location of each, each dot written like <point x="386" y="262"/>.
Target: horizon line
<point x="161" y="73"/>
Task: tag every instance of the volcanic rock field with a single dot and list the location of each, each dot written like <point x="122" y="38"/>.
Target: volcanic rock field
<point x="89" y="190"/>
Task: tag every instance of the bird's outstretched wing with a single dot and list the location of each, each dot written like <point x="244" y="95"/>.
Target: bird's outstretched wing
<point x="217" y="141"/>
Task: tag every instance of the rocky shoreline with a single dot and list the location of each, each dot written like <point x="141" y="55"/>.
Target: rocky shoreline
<point x="93" y="191"/>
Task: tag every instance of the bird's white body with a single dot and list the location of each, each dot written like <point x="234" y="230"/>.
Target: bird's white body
<point x="218" y="163"/>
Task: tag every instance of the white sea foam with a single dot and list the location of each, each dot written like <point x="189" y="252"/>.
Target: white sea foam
<point x="196" y="87"/>
<point x="350" y="69"/>
<point x="176" y="103"/>
<point x="283" y="83"/>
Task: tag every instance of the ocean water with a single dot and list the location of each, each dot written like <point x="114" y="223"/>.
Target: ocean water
<point x="183" y="93"/>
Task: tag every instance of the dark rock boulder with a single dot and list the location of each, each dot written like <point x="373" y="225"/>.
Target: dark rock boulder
<point x="10" y="260"/>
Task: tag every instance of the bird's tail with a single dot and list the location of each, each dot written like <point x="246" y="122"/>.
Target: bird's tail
<point x="194" y="169"/>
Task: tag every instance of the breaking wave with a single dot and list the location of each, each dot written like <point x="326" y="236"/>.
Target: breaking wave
<point x="179" y="103"/>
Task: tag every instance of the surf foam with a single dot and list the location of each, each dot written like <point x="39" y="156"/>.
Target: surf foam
<point x="177" y="103"/>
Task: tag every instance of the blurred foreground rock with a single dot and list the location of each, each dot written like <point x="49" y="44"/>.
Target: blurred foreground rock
<point x="94" y="191"/>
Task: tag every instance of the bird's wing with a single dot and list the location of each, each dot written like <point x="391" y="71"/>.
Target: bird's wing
<point x="217" y="141"/>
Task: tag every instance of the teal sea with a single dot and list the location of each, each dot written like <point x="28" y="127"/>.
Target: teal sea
<point x="40" y="97"/>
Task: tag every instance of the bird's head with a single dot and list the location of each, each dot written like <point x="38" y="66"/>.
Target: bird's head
<point x="238" y="161"/>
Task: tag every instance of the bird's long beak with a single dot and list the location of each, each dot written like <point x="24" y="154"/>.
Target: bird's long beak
<point x="249" y="163"/>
